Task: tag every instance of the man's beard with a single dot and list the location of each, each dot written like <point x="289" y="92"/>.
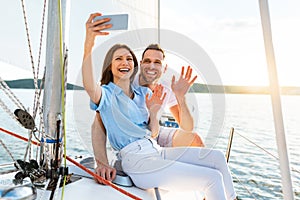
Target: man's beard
<point x="149" y="80"/>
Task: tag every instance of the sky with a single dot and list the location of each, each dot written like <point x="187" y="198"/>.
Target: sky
<point x="228" y="31"/>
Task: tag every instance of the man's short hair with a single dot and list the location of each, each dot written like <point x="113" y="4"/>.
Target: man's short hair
<point x="154" y="47"/>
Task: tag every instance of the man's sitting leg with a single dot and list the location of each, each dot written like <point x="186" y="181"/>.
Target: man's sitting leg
<point x="185" y="138"/>
<point x="174" y="137"/>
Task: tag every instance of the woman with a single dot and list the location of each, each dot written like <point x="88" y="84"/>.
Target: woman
<point x="125" y="111"/>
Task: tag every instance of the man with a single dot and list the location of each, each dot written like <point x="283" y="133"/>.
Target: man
<point x="151" y="70"/>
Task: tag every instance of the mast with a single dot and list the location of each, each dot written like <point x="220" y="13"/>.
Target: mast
<point x="287" y="187"/>
<point x="158" y="21"/>
<point x="51" y="148"/>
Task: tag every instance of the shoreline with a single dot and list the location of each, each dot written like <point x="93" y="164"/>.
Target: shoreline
<point x="196" y="88"/>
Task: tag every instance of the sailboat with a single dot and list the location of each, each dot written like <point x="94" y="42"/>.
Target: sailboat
<point x="54" y="167"/>
<point x="52" y="153"/>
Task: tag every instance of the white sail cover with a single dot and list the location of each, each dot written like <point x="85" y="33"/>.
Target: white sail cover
<point x="143" y="14"/>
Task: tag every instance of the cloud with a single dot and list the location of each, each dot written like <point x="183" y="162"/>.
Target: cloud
<point x="236" y="24"/>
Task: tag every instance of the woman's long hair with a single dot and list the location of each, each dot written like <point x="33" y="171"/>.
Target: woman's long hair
<point x="107" y="75"/>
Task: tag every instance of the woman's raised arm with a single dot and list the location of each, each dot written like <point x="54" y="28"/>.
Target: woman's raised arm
<point x="93" y="29"/>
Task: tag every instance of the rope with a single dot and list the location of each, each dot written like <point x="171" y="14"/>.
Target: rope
<point x="96" y="176"/>
<point x="35" y="72"/>
<point x="102" y="179"/>
<point x="11" y="95"/>
<point x="41" y="36"/>
<point x="37" y="137"/>
<point x="18" y="103"/>
<point x="10" y="154"/>
<point x="36" y="102"/>
<point x="249" y="192"/>
<point x="38" y="94"/>
<point x="6" y="165"/>
<point x="272" y="155"/>
<point x="13" y="98"/>
<point x="29" y="44"/>
<point x="64" y="103"/>
<point x="28" y="147"/>
<point x="18" y="136"/>
<point x="258" y="146"/>
<point x="6" y="109"/>
<point x="6" y="149"/>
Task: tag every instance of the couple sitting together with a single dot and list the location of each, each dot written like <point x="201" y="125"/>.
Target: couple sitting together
<point x="127" y="109"/>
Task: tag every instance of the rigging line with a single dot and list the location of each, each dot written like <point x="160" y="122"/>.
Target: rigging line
<point x="10" y="94"/>
<point x="6" y="109"/>
<point x="42" y="125"/>
<point x="35" y="72"/>
<point x="10" y="154"/>
<point x="272" y="155"/>
<point x="8" y="171"/>
<point x="7" y="150"/>
<point x="37" y="97"/>
<point x="240" y="182"/>
<point x="37" y="106"/>
<point x="41" y="36"/>
<point x="19" y="137"/>
<point x="96" y="176"/>
<point x="28" y="147"/>
<point x="38" y="138"/>
<point x="28" y="41"/>
<point x="3" y="165"/>
<point x="65" y="94"/>
<point x="257" y="146"/>
<point x="18" y="103"/>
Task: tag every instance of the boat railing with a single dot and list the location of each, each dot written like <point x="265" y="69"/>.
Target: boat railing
<point x="262" y="149"/>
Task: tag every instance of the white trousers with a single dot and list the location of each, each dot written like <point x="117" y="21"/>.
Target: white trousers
<point x="179" y="168"/>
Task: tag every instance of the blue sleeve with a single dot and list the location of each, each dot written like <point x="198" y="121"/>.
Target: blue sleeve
<point x="93" y="106"/>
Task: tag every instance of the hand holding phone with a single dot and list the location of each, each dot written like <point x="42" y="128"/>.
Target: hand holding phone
<point x="118" y="21"/>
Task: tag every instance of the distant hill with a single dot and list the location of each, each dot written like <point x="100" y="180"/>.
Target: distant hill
<point x="197" y="87"/>
<point x="29" y="84"/>
<point x="201" y="88"/>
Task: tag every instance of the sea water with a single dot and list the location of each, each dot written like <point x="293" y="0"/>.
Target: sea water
<point x="253" y="158"/>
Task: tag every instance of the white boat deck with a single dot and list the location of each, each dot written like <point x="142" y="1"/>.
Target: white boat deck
<point x="87" y="188"/>
<point x="110" y="193"/>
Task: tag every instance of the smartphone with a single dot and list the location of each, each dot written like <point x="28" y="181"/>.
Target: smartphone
<point x="118" y="21"/>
